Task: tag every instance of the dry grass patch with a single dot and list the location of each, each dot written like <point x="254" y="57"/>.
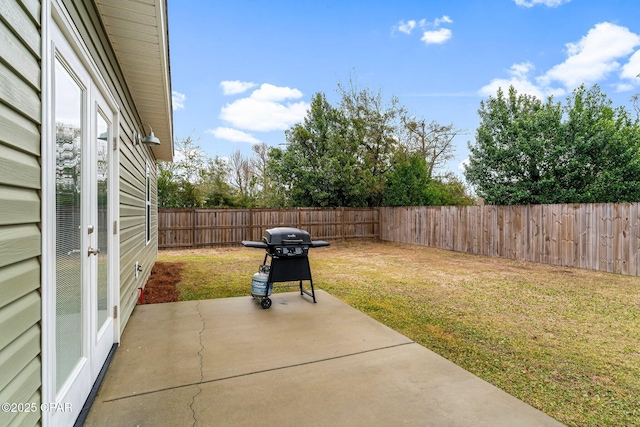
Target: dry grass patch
<point x="564" y="340"/>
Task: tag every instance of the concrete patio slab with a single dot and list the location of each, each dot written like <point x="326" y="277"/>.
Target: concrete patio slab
<point x="227" y="362"/>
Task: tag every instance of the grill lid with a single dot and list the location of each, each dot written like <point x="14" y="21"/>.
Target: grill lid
<point x="286" y="236"/>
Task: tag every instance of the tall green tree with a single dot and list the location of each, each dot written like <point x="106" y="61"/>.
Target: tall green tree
<point x="319" y="166"/>
<point x="603" y="151"/>
<point x="517" y="145"/>
<point x="263" y="186"/>
<point x="215" y="188"/>
<point x="193" y="180"/>
<point x="241" y="178"/>
<point x="529" y="151"/>
<point x="375" y="127"/>
<point x="362" y="152"/>
<point x="408" y="183"/>
<point x="432" y="141"/>
<point x="174" y="191"/>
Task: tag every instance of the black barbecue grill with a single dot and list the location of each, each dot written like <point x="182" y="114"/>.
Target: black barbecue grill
<point x="288" y="249"/>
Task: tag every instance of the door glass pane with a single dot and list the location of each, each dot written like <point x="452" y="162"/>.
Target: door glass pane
<point x="68" y="113"/>
<point x="102" y="168"/>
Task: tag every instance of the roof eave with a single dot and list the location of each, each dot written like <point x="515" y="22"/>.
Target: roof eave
<point x="139" y="34"/>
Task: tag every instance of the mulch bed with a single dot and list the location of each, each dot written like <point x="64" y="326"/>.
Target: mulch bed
<point x="161" y="286"/>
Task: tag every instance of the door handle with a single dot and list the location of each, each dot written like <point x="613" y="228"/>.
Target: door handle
<point x="93" y="251"/>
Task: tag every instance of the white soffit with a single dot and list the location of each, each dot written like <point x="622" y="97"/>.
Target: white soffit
<point x="138" y="32"/>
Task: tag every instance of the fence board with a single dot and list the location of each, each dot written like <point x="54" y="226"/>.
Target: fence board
<point x="634" y="239"/>
<point x="593" y="247"/>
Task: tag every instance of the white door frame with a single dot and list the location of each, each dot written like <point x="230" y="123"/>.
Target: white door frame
<point x="102" y="336"/>
<point x="56" y="23"/>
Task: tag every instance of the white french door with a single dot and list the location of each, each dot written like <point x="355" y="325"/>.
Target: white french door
<point x="84" y="209"/>
<point x="99" y="254"/>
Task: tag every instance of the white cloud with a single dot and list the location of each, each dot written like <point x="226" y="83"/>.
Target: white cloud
<point x="631" y="69"/>
<point x="269" y="92"/>
<point x="594" y="56"/>
<point x="436" y="37"/>
<point x="548" y="3"/>
<point x="264" y="110"/>
<point x="177" y="100"/>
<point x="592" y="59"/>
<point x="263" y="116"/>
<point x="405" y="27"/>
<point x="521" y="82"/>
<point x="624" y="87"/>
<point x="463" y="164"/>
<point x="444" y="20"/>
<point x="233" y="87"/>
<point x="234" y="135"/>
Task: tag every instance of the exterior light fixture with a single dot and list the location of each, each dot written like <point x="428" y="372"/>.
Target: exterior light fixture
<point x="151" y="138"/>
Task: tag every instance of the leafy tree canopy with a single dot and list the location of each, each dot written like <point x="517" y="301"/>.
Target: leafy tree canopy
<point x="321" y="165"/>
<point x="363" y="152"/>
<point x="528" y="151"/>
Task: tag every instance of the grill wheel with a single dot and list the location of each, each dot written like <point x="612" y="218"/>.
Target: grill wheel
<point x="265" y="303"/>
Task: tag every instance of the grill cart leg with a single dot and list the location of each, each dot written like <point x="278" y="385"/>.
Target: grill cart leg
<point x="312" y="294"/>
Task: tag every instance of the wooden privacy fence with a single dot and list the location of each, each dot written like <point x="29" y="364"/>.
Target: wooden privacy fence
<point x="603" y="237"/>
<point x="193" y="228"/>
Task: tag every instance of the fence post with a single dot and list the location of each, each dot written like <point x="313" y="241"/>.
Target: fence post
<point x="342" y="232"/>
<point x="193" y="228"/>
<point x="250" y="224"/>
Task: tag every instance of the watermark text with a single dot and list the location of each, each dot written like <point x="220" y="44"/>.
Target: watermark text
<point x="34" y="407"/>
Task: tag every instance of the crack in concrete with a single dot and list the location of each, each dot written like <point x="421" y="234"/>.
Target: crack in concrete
<point x="193" y="399"/>
<point x="277" y="368"/>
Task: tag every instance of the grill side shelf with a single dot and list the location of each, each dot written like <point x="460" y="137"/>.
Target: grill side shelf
<point x="250" y="244"/>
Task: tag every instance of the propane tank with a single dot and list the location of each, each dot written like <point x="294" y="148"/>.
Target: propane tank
<point x="260" y="281"/>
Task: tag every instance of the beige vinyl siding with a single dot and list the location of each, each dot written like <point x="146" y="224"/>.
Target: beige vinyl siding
<point x="133" y="159"/>
<point x="20" y="237"/>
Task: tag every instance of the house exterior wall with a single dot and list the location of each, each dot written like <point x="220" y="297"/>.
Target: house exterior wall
<point x="133" y="159"/>
<point x="20" y="237"/>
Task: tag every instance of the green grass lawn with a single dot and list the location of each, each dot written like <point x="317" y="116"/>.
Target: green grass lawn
<point x="564" y="340"/>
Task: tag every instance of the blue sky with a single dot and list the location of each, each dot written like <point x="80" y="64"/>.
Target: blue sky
<point x="244" y="71"/>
